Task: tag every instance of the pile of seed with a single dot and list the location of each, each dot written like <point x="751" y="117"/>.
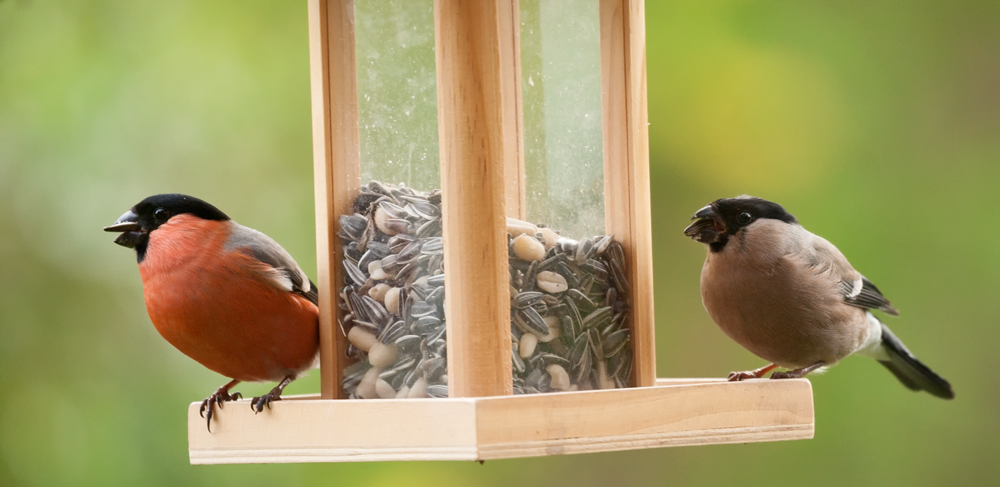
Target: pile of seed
<point x="568" y="311"/>
<point x="568" y="308"/>
<point x="393" y="297"/>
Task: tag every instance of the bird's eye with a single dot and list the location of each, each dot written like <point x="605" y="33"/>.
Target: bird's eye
<point x="161" y="215"/>
<point x="743" y="218"/>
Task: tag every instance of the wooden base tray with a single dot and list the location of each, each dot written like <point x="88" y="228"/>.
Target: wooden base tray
<point x="676" y="412"/>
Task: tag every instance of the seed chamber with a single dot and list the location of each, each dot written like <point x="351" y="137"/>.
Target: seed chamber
<point x="568" y="290"/>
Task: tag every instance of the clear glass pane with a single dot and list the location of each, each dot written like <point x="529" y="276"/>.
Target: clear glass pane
<point x="397" y="91"/>
<point x="569" y="297"/>
<point x="393" y="289"/>
<point x="561" y="99"/>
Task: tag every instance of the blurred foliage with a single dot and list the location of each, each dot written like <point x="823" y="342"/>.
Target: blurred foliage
<point x="877" y="123"/>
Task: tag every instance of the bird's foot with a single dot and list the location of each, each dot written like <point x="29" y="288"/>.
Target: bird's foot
<point x="791" y="374"/>
<point x="218" y="397"/>
<point x="750" y="374"/>
<point x="259" y="402"/>
<point x="797" y="373"/>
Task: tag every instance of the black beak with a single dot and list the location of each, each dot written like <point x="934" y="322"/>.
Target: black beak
<point x="129" y="225"/>
<point x="707" y="226"/>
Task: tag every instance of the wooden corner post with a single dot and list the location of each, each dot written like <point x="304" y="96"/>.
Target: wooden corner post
<point x="336" y="166"/>
<point x="626" y="167"/>
<point x="471" y="130"/>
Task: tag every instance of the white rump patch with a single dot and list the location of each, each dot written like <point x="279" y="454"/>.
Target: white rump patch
<point x="872" y="346"/>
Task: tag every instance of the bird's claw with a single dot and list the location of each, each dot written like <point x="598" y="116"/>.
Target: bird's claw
<point x="785" y="375"/>
<point x="258" y="403"/>
<point x="208" y="406"/>
<point x="738" y="376"/>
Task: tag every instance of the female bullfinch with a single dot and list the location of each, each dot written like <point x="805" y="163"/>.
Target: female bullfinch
<point x="792" y="298"/>
<point x="225" y="295"/>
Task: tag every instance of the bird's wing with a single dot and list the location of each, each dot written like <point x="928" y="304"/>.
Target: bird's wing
<point x="863" y="294"/>
<point x="284" y="272"/>
<point x="858" y="291"/>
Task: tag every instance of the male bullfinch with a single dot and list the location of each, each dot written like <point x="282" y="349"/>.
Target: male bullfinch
<point x="225" y="295"/>
<point x="792" y="298"/>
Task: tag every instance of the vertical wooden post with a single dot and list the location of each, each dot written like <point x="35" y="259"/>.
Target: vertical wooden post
<point x="626" y="167"/>
<point x="336" y="166"/>
<point x="472" y="137"/>
<point x="510" y="59"/>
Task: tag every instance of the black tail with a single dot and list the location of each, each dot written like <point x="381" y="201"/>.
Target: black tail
<point x="910" y="371"/>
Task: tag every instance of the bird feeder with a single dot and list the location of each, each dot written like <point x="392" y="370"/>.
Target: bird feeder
<point x="487" y="106"/>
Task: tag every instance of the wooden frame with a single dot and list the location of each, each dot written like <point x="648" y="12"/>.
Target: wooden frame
<point x="676" y="412"/>
<point x="483" y="181"/>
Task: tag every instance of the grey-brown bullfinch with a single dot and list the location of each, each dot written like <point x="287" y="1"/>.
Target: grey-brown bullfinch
<point x="791" y="298"/>
<point x="225" y="295"/>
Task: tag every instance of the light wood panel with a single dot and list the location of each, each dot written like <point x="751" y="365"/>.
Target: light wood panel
<point x="336" y="163"/>
<point x="510" y="59"/>
<point x="626" y="167"/>
<point x="471" y="94"/>
<point x="699" y="411"/>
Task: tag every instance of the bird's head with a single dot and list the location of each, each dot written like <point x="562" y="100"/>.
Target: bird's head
<point x="147" y="215"/>
<point x="726" y="217"/>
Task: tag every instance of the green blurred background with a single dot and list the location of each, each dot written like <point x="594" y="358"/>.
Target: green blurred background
<point x="877" y="123"/>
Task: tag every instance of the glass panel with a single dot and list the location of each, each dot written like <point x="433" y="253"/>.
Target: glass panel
<point x="561" y="99"/>
<point x="569" y="306"/>
<point x="397" y="91"/>
<point x="394" y="284"/>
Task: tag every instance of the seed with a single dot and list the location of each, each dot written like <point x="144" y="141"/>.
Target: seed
<point x="534" y="321"/>
<point x="436" y="280"/>
<point x="381" y="355"/>
<point x="527" y="345"/>
<point x="361" y="338"/>
<point x="584" y="250"/>
<point x="560" y="378"/>
<point x="437" y="390"/>
<point x="418" y="389"/>
<point x="550" y="237"/>
<point x="436" y="296"/>
<point x="553" y="323"/>
<point x="384" y="390"/>
<point x="375" y="270"/>
<point x="527" y="298"/>
<point x="407" y="344"/>
<point x="354" y="273"/>
<point x="433" y="246"/>
<point x="551" y="282"/>
<point x="352" y="226"/>
<point x="378" y="291"/>
<point x="393" y="332"/>
<point x="366" y="389"/>
<point x="391" y="300"/>
<point x="381" y="221"/>
<point x="517" y="227"/>
<point x="528" y="248"/>
<point x="421" y="309"/>
<point x="614" y="342"/>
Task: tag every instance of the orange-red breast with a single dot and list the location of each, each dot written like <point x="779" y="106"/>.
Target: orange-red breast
<point x="225" y="295"/>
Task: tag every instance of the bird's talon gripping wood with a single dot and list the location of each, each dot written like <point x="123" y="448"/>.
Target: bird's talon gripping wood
<point x="751" y="374"/>
<point x="259" y="402"/>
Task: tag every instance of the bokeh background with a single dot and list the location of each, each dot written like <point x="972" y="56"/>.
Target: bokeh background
<point x="877" y="123"/>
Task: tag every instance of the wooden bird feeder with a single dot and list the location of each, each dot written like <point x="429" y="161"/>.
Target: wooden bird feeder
<point x="481" y="133"/>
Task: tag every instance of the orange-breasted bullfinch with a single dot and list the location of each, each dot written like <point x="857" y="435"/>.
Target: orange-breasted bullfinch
<point x="225" y="295"/>
<point x="791" y="298"/>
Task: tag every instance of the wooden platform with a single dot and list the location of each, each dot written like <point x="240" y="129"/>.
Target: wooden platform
<point x="676" y="412"/>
